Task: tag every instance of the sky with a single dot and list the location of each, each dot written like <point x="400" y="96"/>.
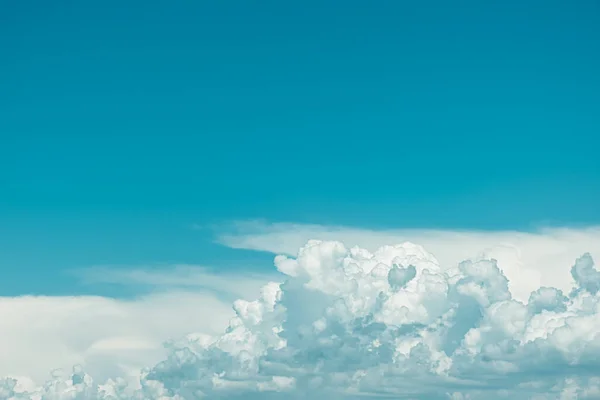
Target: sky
<point x="143" y="143"/>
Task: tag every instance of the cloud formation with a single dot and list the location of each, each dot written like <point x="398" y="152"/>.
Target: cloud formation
<point x="528" y="259"/>
<point x="111" y="337"/>
<point x="393" y="322"/>
<point x="225" y="285"/>
<point x="117" y="337"/>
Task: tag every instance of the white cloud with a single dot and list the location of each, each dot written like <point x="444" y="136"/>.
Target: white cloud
<point x="528" y="259"/>
<point x="116" y="337"/>
<point x="353" y="322"/>
<point x="108" y="336"/>
<point x="224" y="284"/>
<point x="389" y="321"/>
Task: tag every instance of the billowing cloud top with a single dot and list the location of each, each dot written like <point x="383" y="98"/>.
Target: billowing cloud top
<point x="348" y="323"/>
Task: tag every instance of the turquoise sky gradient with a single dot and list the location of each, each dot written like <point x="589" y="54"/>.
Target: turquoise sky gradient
<point x="123" y="124"/>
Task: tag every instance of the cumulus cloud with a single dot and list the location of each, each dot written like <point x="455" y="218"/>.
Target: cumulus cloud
<point x="528" y="259"/>
<point x="390" y="322"/>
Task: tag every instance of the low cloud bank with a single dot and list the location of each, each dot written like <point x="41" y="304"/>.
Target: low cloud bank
<point x="350" y="323"/>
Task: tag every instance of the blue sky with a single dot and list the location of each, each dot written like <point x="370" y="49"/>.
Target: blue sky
<point x="123" y="126"/>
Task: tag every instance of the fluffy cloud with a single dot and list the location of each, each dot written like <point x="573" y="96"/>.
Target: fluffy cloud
<point x="391" y="322"/>
<point x="528" y="259"/>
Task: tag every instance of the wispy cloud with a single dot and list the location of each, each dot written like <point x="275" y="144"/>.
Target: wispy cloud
<point x="118" y="337"/>
<point x="110" y="337"/>
<point x="221" y="282"/>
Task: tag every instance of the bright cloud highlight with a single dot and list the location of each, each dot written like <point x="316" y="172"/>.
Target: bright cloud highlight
<point x="392" y="322"/>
